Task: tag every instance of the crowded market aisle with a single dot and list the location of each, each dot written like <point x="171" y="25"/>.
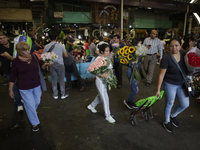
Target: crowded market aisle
<point x="68" y="124"/>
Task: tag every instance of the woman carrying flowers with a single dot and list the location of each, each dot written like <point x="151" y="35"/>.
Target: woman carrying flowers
<point x="25" y="73"/>
<point x="100" y="84"/>
<point x="139" y="51"/>
<point x="173" y="83"/>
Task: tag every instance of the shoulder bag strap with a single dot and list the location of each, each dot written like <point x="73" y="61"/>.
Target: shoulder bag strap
<point x="52" y="47"/>
<point x="178" y="67"/>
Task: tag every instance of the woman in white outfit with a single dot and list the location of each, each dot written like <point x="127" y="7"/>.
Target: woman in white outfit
<point x="102" y="88"/>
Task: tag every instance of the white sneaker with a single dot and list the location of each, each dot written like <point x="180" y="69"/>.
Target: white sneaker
<point x="110" y="119"/>
<point x="91" y="108"/>
<point x="55" y="97"/>
<point x="20" y="108"/>
<point x="64" y="96"/>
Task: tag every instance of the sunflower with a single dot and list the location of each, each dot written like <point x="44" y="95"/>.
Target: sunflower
<point x="121" y="51"/>
<point x="129" y="57"/>
<point x="126" y="61"/>
<point x="131" y="49"/>
<point x="122" y="61"/>
<point x="126" y="51"/>
<point x="125" y="47"/>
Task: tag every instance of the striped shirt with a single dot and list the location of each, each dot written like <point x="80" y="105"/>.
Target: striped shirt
<point x="155" y="46"/>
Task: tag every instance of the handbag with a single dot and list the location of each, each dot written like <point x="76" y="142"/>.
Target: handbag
<point x="42" y="81"/>
<point x="189" y="88"/>
<point x="38" y="55"/>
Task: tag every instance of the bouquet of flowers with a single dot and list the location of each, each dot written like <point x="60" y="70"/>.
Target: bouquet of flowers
<point x="49" y="57"/>
<point x="192" y="60"/>
<point x="100" y="66"/>
<point x="128" y="55"/>
<point x="196" y="84"/>
<point x="115" y="47"/>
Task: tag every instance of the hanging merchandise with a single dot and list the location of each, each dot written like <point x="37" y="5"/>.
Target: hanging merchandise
<point x="112" y="15"/>
<point x="19" y="38"/>
<point x="103" y="11"/>
<point x="116" y="15"/>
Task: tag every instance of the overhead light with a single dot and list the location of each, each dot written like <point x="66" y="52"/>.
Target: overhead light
<point x="148" y="7"/>
<point x="192" y="1"/>
<point x="43" y="37"/>
<point x="79" y="37"/>
<point x="109" y="25"/>
<point x="197" y="17"/>
<point x="130" y="26"/>
<point x="105" y="34"/>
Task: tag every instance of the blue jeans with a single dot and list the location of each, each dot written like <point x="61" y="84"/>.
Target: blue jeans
<point x="31" y="99"/>
<point x="171" y="91"/>
<point x="17" y="95"/>
<point x="134" y="86"/>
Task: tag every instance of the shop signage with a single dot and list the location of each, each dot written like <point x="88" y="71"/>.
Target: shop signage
<point x="58" y="14"/>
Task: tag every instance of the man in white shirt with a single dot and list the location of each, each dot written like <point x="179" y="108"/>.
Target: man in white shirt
<point x="153" y="44"/>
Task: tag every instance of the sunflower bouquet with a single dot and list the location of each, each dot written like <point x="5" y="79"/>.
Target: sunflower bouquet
<point x="127" y="55"/>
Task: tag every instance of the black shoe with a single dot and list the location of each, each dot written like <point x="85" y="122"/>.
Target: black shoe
<point x="147" y="84"/>
<point x="168" y="127"/>
<point x="130" y="105"/>
<point x="36" y="128"/>
<point x="174" y="121"/>
<point x="119" y="86"/>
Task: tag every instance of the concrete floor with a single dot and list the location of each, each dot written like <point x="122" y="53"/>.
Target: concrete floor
<point x="68" y="125"/>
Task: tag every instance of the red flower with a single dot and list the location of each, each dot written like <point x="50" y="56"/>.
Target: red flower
<point x="193" y="60"/>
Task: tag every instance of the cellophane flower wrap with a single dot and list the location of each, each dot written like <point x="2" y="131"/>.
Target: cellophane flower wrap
<point x="127" y="55"/>
<point x="99" y="67"/>
<point x="49" y="57"/>
<point x="192" y="61"/>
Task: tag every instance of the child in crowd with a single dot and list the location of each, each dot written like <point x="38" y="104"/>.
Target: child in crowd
<point x="102" y="88"/>
<point x="134" y="87"/>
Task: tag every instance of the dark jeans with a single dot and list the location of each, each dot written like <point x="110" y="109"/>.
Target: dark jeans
<point x="73" y="69"/>
<point x="118" y="72"/>
<point x="17" y="95"/>
<point x="134" y="86"/>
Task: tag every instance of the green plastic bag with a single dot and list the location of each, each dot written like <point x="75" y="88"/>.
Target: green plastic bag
<point x="151" y="100"/>
<point x="87" y="52"/>
<point x="19" y="38"/>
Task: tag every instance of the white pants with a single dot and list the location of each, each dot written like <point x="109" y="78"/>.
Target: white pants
<point x="102" y="96"/>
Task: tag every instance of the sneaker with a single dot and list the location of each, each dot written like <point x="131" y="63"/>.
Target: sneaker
<point x="130" y="105"/>
<point x="36" y="128"/>
<point x="20" y="108"/>
<point x="168" y="127"/>
<point x="148" y="84"/>
<point x="82" y="88"/>
<point x="64" y="96"/>
<point x="5" y="82"/>
<point x="110" y="119"/>
<point x="55" y="97"/>
<point x="174" y="121"/>
<point x="91" y="108"/>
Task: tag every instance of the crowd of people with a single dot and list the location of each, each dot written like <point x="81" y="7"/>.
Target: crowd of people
<point x="26" y="80"/>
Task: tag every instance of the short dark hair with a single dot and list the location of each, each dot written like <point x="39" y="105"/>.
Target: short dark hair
<point x="135" y="41"/>
<point x="110" y="37"/>
<point x="52" y="36"/>
<point x="102" y="47"/>
<point x="100" y="38"/>
<point x="92" y="38"/>
<point x="117" y="36"/>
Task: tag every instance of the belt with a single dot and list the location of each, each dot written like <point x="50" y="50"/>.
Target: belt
<point x="151" y="54"/>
